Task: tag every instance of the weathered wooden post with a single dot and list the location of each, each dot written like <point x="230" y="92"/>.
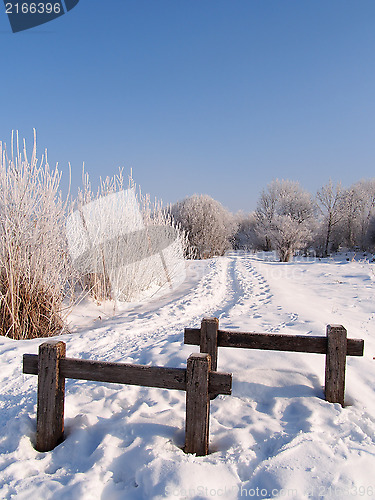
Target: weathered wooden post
<point x="51" y="392"/>
<point x="197" y="404"/>
<point x="208" y="342"/>
<point x="335" y="364"/>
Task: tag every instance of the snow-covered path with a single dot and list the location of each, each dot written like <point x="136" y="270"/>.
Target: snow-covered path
<point x="275" y="437"/>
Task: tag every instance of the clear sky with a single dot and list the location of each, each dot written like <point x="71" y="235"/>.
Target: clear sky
<point x="198" y="96"/>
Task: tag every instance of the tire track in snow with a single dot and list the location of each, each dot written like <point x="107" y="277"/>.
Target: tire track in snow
<point x="229" y="287"/>
<point x="250" y="300"/>
<point x="268" y="306"/>
<point x="247" y="292"/>
<point x="164" y="319"/>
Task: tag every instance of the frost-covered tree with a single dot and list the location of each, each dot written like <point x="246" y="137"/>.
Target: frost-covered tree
<point x="265" y="213"/>
<point x="357" y="208"/>
<point x="330" y="203"/>
<point x="288" y="235"/>
<point x="366" y="194"/>
<point x="350" y="222"/>
<point x="346" y="215"/>
<point x="370" y="237"/>
<point x="285" y="217"/>
<point x="209" y="226"/>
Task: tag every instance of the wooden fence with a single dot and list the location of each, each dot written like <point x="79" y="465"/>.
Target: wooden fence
<point x="336" y="346"/>
<point x="200" y="379"/>
<point x="52" y="367"/>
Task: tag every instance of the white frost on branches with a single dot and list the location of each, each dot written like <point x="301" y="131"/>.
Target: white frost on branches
<point x="284" y="217"/>
<point x="209" y="226"/>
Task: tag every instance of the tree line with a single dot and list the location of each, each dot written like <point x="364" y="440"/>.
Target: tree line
<point x="287" y="219"/>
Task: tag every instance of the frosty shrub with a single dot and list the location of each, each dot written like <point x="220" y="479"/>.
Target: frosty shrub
<point x="32" y="256"/>
<point x="209" y="226"/>
<point x="285" y="217"/>
<point x="121" y="244"/>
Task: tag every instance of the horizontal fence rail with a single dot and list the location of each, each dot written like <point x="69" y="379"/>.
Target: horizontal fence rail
<point x="129" y="374"/>
<point x="52" y="368"/>
<point x="273" y="342"/>
<point x="336" y="347"/>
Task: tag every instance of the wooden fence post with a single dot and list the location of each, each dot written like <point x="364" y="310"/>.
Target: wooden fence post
<point x="335" y="364"/>
<point x="208" y="343"/>
<point x="197" y="404"/>
<point x="51" y="391"/>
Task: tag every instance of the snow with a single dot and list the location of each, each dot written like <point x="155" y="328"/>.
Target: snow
<point x="275" y="437"/>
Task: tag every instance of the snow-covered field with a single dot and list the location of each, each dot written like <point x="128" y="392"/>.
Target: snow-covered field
<point x="275" y="437"/>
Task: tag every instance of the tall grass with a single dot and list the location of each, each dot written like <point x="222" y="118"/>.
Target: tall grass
<point x="33" y="263"/>
<point x="121" y="242"/>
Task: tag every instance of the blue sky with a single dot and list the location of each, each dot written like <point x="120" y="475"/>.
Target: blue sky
<point x="198" y="96"/>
